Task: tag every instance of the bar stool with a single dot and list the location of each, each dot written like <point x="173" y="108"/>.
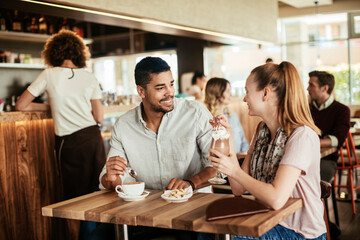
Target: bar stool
<point x="333" y="198"/>
<point x="350" y="165"/>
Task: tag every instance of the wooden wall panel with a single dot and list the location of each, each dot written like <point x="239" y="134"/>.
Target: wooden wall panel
<point x="29" y="180"/>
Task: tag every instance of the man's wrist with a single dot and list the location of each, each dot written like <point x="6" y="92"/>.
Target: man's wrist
<point x="191" y="183"/>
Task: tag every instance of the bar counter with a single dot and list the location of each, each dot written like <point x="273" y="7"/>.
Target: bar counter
<point x="29" y="176"/>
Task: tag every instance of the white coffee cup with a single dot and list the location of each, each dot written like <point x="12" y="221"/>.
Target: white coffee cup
<point x="131" y="188"/>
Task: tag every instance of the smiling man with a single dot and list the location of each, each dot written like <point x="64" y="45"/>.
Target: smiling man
<point x="165" y="139"/>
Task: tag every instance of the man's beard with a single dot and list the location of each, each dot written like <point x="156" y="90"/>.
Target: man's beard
<point x="160" y="109"/>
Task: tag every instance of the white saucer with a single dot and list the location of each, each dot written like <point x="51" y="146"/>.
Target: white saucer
<point x="188" y="195"/>
<point x="133" y="198"/>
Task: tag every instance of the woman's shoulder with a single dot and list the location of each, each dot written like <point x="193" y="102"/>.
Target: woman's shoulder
<point x="304" y="131"/>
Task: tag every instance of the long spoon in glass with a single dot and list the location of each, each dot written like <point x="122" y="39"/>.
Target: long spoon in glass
<point x="218" y="179"/>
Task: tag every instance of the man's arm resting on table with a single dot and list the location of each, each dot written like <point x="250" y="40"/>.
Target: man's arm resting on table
<point x="199" y="180"/>
<point x="328" y="141"/>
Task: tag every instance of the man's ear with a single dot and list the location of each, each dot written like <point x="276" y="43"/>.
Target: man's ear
<point x="141" y="91"/>
<point x="325" y="88"/>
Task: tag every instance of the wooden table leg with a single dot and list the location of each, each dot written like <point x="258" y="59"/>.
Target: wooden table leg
<point x="121" y="232"/>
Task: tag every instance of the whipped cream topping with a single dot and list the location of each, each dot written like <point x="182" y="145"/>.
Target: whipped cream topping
<point x="219" y="133"/>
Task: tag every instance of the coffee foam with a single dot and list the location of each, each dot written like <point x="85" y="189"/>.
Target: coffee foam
<point x="219" y="133"/>
<point x="131" y="183"/>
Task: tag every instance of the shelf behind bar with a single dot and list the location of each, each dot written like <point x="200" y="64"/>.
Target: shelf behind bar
<point x="32" y="37"/>
<point x="22" y="65"/>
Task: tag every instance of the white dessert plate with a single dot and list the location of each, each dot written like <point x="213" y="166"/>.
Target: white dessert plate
<point x="133" y="198"/>
<point x="216" y="181"/>
<point x="188" y="194"/>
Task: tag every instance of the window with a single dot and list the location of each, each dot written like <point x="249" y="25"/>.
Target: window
<point x="116" y="73"/>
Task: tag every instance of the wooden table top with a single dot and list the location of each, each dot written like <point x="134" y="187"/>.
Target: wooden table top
<point x="325" y="151"/>
<point x="153" y="211"/>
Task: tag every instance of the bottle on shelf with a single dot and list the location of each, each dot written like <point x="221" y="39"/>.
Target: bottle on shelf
<point x="65" y="25"/>
<point x="27" y="23"/>
<point x="78" y="29"/>
<point x="34" y="28"/>
<point x="2" y="22"/>
<point x="8" y="21"/>
<point x="16" y="22"/>
<point x="42" y="25"/>
<point x="51" y="27"/>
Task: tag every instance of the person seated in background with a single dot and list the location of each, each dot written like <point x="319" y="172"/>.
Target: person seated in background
<point x="165" y="139"/>
<point x="332" y="117"/>
<point x="217" y="99"/>
<point x="198" y="82"/>
<point x="283" y="160"/>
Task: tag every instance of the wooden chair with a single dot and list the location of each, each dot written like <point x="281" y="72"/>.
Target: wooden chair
<point x="357" y="114"/>
<point x="325" y="193"/>
<point x="351" y="164"/>
<point x="333" y="198"/>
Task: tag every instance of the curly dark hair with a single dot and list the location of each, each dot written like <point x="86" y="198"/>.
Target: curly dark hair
<point x="65" y="45"/>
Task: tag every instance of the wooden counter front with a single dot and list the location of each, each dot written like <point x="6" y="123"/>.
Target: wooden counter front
<point x="28" y="176"/>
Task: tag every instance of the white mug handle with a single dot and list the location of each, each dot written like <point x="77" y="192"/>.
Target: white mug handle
<point x="116" y="188"/>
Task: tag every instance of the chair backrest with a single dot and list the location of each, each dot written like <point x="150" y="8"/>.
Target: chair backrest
<point x="325" y="189"/>
<point x="351" y="153"/>
<point x="325" y="193"/>
<point x="352" y="146"/>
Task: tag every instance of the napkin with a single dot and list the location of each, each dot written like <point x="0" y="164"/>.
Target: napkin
<point x="233" y="207"/>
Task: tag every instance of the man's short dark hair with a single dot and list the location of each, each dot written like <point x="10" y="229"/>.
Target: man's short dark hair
<point x="197" y="75"/>
<point x="324" y="78"/>
<point x="148" y="66"/>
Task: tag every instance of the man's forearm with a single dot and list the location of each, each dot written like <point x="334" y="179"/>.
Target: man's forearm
<point x="200" y="180"/>
<point x="325" y="142"/>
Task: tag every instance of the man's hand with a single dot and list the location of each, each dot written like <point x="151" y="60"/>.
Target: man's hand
<point x="115" y="166"/>
<point x="177" y="184"/>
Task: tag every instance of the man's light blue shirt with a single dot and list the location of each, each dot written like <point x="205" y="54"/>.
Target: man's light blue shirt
<point x="180" y="149"/>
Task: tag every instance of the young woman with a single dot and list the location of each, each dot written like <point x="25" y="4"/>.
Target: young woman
<point x="217" y="98"/>
<point x="283" y="160"/>
<point x="75" y="102"/>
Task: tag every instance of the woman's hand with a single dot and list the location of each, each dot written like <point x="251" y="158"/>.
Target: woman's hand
<point x="222" y="120"/>
<point x="228" y="165"/>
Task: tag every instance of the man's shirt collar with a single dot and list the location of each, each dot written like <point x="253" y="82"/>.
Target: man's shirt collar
<point x="325" y="105"/>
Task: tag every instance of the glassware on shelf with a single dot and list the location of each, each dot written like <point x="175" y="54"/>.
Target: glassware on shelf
<point x="42" y="25"/>
<point x="219" y="142"/>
